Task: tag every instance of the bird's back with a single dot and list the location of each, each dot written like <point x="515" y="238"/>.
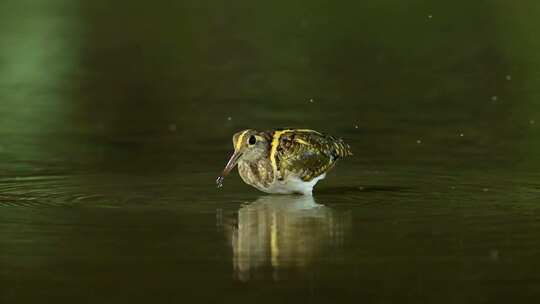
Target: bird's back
<point x="304" y="153"/>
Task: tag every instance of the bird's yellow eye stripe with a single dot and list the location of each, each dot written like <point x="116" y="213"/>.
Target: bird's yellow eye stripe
<point x="298" y="140"/>
<point x="238" y="143"/>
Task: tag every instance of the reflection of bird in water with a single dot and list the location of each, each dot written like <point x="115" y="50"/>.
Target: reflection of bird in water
<point x="283" y="232"/>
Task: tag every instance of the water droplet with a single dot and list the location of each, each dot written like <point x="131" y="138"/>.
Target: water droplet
<point x="229" y="118"/>
<point x="508" y="77"/>
<point x="494" y="254"/>
<point x="219" y="181"/>
<point x="418" y="141"/>
<point x="461" y="134"/>
<point x="494" y="98"/>
<point x="430" y="16"/>
<point x="311" y="100"/>
<point x="356" y="126"/>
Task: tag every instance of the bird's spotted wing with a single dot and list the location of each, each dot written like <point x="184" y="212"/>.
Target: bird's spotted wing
<point x="309" y="154"/>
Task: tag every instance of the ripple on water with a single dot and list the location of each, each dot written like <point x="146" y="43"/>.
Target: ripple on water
<point x="54" y="191"/>
<point x="101" y="191"/>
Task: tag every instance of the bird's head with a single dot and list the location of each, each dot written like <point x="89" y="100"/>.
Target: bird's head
<point x="249" y="146"/>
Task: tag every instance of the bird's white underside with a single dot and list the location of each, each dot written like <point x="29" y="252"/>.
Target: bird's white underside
<point x="293" y="184"/>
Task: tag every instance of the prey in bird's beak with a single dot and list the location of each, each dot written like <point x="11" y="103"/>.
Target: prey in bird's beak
<point x="230" y="165"/>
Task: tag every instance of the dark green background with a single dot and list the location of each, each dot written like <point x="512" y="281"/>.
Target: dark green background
<point x="116" y="117"/>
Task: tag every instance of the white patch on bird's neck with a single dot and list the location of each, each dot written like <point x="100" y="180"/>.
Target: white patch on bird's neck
<point x="293" y="184"/>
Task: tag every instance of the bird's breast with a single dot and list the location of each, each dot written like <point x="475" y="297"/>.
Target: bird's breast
<point x="258" y="174"/>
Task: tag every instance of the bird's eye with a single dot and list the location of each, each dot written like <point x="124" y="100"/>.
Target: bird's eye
<point x="252" y="140"/>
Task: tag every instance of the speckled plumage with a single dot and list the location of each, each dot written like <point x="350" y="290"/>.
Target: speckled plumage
<point x="285" y="160"/>
<point x="258" y="174"/>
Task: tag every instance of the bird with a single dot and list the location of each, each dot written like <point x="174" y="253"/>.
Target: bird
<point x="284" y="161"/>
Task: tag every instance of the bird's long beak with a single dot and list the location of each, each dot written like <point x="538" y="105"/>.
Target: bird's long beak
<point x="230" y="165"/>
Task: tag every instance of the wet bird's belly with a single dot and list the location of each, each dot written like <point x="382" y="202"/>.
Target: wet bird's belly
<point x="261" y="176"/>
<point x="294" y="185"/>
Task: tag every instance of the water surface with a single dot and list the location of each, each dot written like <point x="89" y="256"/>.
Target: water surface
<point x="116" y="118"/>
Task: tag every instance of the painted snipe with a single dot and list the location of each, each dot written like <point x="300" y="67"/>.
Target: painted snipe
<point x="284" y="161"/>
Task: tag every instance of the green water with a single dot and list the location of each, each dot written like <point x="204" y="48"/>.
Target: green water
<point x="117" y="117"/>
